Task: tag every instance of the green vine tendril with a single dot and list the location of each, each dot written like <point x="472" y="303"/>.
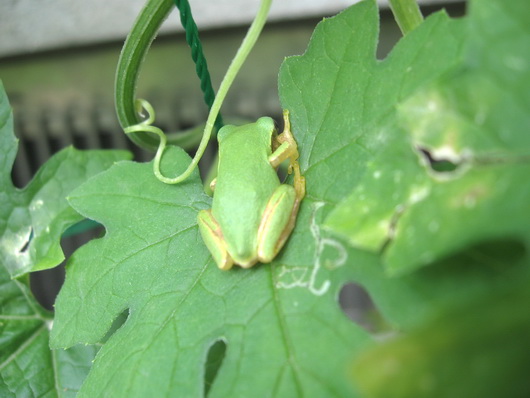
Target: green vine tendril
<point x="146" y="126"/>
<point x="240" y="57"/>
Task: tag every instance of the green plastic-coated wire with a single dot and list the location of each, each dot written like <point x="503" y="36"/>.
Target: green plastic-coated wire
<point x="197" y="55"/>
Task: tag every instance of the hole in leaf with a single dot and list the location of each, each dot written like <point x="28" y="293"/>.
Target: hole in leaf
<point x="214" y="360"/>
<point x="358" y="306"/>
<point x="118" y="323"/>
<point x="438" y="164"/>
<point x="25" y="247"/>
<point x="46" y="284"/>
<point x="82" y="232"/>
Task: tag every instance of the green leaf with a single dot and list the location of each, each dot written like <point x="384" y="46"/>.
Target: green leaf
<point x="28" y="368"/>
<point x="453" y="153"/>
<point x="480" y="348"/>
<point x="32" y="219"/>
<point x="341" y="97"/>
<point x="278" y="321"/>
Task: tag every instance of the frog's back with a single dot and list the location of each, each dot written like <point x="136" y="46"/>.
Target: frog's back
<point x="245" y="183"/>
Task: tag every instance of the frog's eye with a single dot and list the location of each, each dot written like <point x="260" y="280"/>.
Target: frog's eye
<point x="266" y="123"/>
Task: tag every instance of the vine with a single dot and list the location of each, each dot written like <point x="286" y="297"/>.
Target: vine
<point x="134" y="130"/>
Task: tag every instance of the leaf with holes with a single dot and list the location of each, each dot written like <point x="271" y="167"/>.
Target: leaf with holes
<point x="342" y="103"/>
<point x="348" y="113"/>
<point x="33" y="219"/>
<point x="273" y="324"/>
<point x="452" y="159"/>
<point x="28" y="368"/>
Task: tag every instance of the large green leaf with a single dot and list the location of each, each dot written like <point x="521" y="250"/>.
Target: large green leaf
<point x="341" y="100"/>
<point x="33" y="219"/>
<point x="28" y="368"/>
<point x="475" y="119"/>
<point x="354" y="122"/>
<point x="153" y="265"/>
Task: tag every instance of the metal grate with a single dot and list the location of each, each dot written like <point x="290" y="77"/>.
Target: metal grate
<point x="42" y="131"/>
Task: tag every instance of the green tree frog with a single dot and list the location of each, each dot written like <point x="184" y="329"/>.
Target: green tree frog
<point x="252" y="213"/>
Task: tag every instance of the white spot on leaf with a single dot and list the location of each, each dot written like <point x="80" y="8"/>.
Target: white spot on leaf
<point x="291" y="277"/>
<point x="418" y="195"/>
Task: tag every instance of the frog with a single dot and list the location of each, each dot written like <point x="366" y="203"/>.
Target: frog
<point x="252" y="213"/>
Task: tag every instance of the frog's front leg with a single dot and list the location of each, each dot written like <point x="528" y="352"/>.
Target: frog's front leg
<point x="214" y="239"/>
<point x="285" y="147"/>
<point x="277" y="222"/>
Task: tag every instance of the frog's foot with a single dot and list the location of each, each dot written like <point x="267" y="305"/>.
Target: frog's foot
<point x="214" y="240"/>
<point x="299" y="183"/>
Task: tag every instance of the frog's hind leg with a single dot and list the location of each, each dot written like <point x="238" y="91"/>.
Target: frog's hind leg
<point x="277" y="222"/>
<point x="214" y="240"/>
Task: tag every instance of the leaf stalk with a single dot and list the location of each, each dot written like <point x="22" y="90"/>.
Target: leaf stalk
<point x="407" y="14"/>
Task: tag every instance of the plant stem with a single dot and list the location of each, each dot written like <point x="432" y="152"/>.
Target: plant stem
<point x="407" y="14"/>
<point x="240" y="57"/>
<point x="133" y="53"/>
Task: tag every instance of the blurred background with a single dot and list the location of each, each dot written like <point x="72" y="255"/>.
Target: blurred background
<point x="58" y="61"/>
